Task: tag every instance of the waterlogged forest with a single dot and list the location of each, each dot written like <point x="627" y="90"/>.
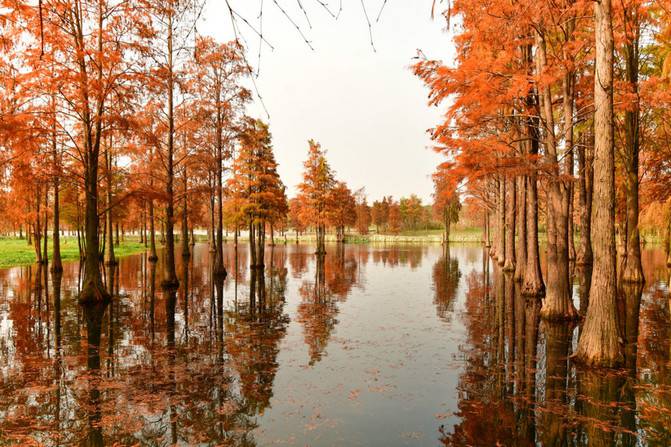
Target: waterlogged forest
<point x="314" y="351"/>
<point x="163" y="283"/>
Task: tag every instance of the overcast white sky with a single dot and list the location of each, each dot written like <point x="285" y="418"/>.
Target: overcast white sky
<point x="366" y="108"/>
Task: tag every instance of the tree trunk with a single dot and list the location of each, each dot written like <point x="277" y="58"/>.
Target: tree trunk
<point x="633" y="270"/>
<point x="511" y="191"/>
<point x="260" y="244"/>
<point x="533" y="277"/>
<point x="252" y="245"/>
<point x="92" y="291"/>
<point x="584" y="252"/>
<point x="153" y="257"/>
<point x="143" y="225"/>
<point x="557" y="304"/>
<point x="501" y="215"/>
<point x="272" y="235"/>
<point x="521" y="221"/>
<point x="170" y="280"/>
<point x="109" y="248"/>
<point x="599" y="341"/>
<point x="37" y="227"/>
<point x="45" y="255"/>
<point x="57" y="264"/>
<point x="185" y="221"/>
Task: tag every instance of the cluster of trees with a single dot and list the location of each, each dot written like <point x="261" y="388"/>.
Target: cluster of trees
<point x="122" y="113"/>
<point x="324" y="203"/>
<point x="559" y="116"/>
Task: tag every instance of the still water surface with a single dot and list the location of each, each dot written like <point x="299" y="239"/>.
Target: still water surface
<point x="373" y="345"/>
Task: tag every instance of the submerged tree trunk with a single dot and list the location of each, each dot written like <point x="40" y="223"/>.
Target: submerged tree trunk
<point x="633" y="270"/>
<point x="45" y="253"/>
<point x="93" y="290"/>
<point x="521" y="221"/>
<point x="557" y="304"/>
<point x="584" y="251"/>
<point x="57" y="264"/>
<point x="260" y="245"/>
<point x="153" y="257"/>
<point x="109" y="226"/>
<point x="185" y="221"/>
<point x="509" y="258"/>
<point x="501" y="217"/>
<point x="533" y="278"/>
<point x="37" y="227"/>
<point x="599" y="341"/>
<point x="170" y="280"/>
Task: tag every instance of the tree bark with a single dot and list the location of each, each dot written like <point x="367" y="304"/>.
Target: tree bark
<point x="584" y="252"/>
<point x="521" y="221"/>
<point x="633" y="270"/>
<point x="509" y="258"/>
<point x="533" y="285"/>
<point x="557" y="304"/>
<point x="37" y="227"/>
<point x="185" y="220"/>
<point x="57" y="264"/>
<point x="599" y="341"/>
<point x="501" y="215"/>
<point x="109" y="248"/>
<point x="153" y="257"/>
<point x="170" y="280"/>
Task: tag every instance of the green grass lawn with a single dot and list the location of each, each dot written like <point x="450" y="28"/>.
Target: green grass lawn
<point x="15" y="252"/>
<point x="474" y="233"/>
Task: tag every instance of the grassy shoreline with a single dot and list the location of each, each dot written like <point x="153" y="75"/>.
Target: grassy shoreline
<point x="16" y="252"/>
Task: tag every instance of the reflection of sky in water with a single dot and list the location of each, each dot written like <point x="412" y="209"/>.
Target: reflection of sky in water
<point x="376" y="345"/>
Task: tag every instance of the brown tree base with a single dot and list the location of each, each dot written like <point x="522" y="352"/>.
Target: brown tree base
<point x="112" y="262"/>
<point x="608" y="360"/>
<point x="153" y="258"/>
<point x="186" y="255"/>
<point x="600" y="345"/>
<point x="556" y="315"/>
<point x="93" y="293"/>
<point x="257" y="267"/>
<point x="170" y="284"/>
<point x="508" y="266"/>
<point x="56" y="267"/>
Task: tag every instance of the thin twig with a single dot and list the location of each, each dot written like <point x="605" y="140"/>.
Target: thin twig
<point x="384" y="3"/>
<point x="370" y="27"/>
<point x="305" y="13"/>
<point x="298" y="28"/>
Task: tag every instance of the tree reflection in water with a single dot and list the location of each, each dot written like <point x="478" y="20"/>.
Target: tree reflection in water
<point x="211" y="363"/>
<point x="546" y="399"/>
<point x="446" y="275"/>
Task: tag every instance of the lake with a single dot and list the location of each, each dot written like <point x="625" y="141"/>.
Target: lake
<point x="369" y="346"/>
